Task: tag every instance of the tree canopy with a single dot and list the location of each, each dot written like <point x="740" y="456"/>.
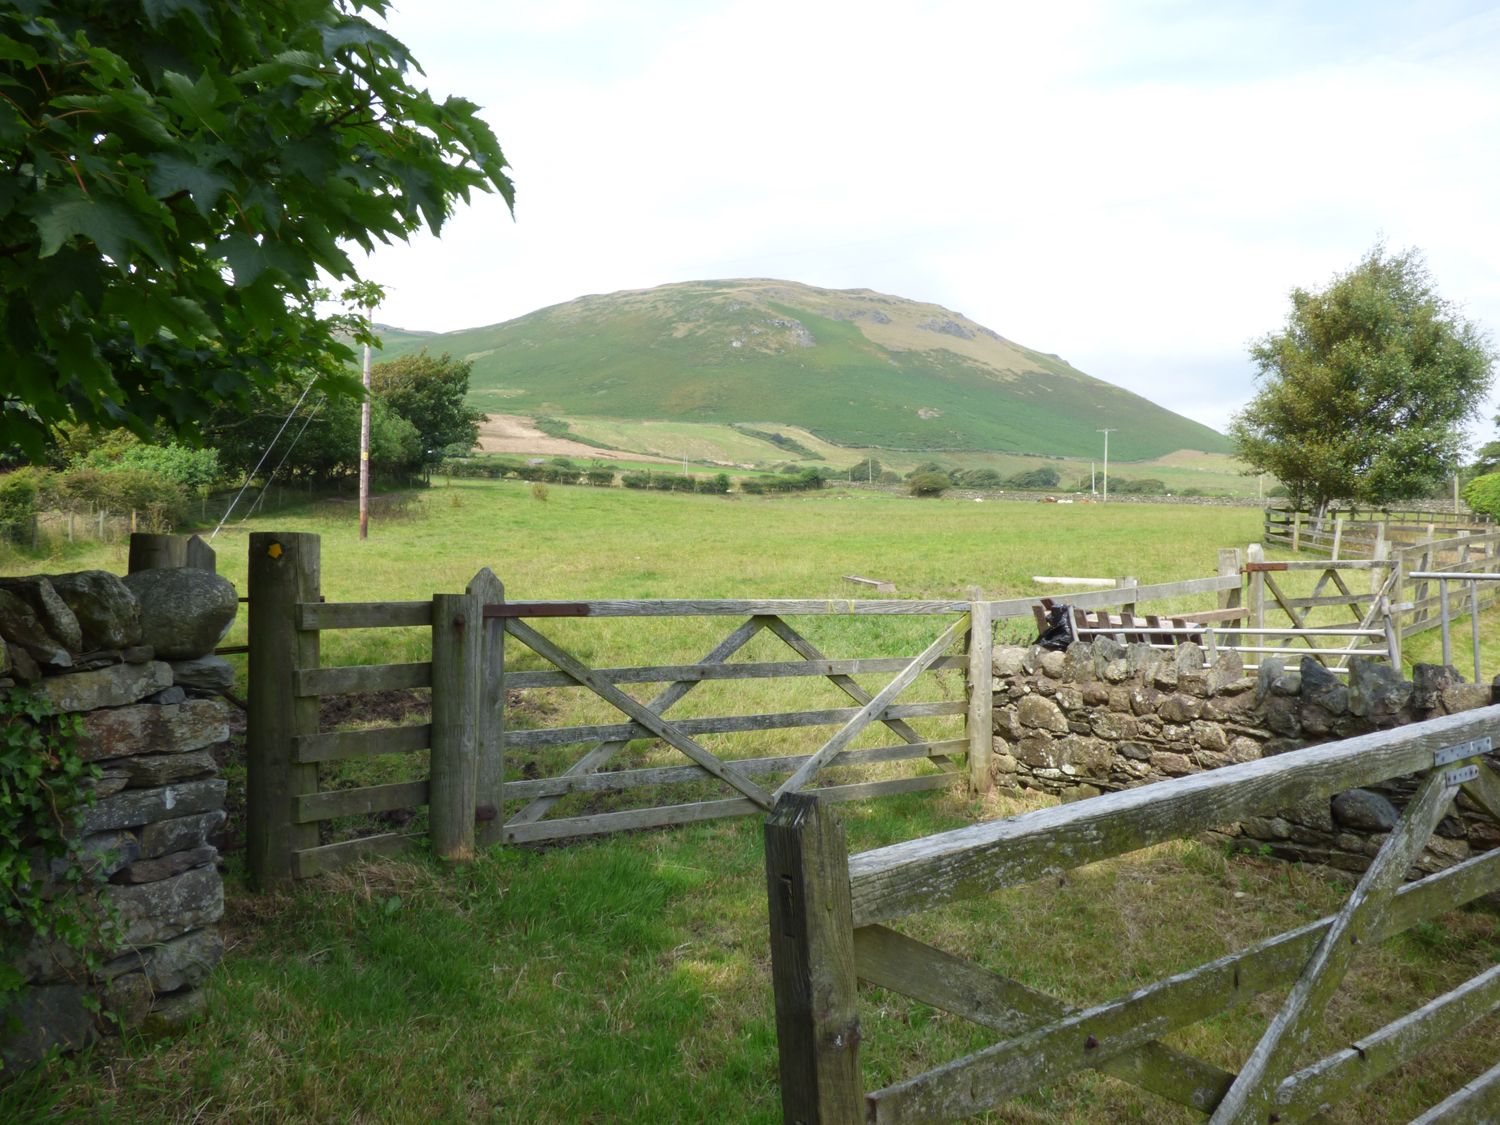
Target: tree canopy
<point x="429" y="392"/>
<point x="178" y="177"/>
<point x="1364" y="392"/>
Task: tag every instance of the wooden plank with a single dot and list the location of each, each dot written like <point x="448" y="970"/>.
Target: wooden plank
<point x="980" y="688"/>
<point x="812" y="964"/>
<point x="489" y="803"/>
<point x="1254" y="1090"/>
<point x="918" y="874"/>
<point x="867" y="714"/>
<point x="331" y="857"/>
<point x="617" y="780"/>
<point x="283" y="571"/>
<point x="759" y="607"/>
<point x="726" y="724"/>
<point x="457" y="652"/>
<point x="342" y="745"/>
<point x="1474" y="1103"/>
<point x="1046" y="1055"/>
<point x="887" y="959"/>
<point x="646" y="718"/>
<point x="313" y="807"/>
<point x="363" y="677"/>
<point x="761" y="670"/>
<point x="363" y="615"/>
<point x="662" y="702"/>
<point x="662" y="816"/>
<point x="1381" y="1052"/>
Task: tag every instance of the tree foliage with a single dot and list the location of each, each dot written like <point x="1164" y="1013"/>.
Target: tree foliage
<point x="1363" y="392"/>
<point x="174" y="175"/>
<point x="429" y="393"/>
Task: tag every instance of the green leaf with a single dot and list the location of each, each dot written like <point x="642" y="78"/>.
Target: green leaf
<point x="171" y="174"/>
<point x="107" y="223"/>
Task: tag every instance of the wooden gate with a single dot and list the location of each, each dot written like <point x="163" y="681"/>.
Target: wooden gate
<point x="831" y="917"/>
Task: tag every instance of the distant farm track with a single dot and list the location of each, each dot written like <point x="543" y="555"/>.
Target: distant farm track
<point x="514" y="433"/>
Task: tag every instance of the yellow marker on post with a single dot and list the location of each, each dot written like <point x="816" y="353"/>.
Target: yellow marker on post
<point x="274" y="550"/>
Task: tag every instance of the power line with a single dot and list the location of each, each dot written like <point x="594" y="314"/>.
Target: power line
<point x="251" y="474"/>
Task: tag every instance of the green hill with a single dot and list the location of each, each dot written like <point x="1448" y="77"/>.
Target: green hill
<point x="854" y="367"/>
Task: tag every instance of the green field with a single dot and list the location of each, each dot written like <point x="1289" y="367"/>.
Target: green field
<point x="627" y="979"/>
<point x="852" y="366"/>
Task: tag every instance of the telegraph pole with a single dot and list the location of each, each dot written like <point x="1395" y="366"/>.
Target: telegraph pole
<point x="1106" y="433"/>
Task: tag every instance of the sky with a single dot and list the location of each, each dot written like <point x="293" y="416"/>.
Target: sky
<point x="1136" y="187"/>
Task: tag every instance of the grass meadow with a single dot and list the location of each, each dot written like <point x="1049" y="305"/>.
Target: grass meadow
<point x="627" y="979"/>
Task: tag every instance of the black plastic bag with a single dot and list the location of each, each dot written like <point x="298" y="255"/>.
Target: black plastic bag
<point x="1058" y="634"/>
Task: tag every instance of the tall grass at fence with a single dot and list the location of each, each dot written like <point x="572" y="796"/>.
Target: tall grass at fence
<point x="626" y="979"/>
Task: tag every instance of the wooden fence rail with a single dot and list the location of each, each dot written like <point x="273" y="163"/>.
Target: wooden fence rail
<point x="830" y="917"/>
<point x="470" y="784"/>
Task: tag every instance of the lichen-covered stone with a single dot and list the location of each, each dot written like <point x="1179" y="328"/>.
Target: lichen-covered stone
<point x="136" y="807"/>
<point x="152" y="728"/>
<point x="1376" y="689"/>
<point x="1036" y="713"/>
<point x="180" y="963"/>
<point x="20" y="626"/>
<point x="185" y="612"/>
<point x="153" y="770"/>
<point x="1008" y="660"/>
<point x="106" y="610"/>
<point x="1180" y="708"/>
<point x="207" y="673"/>
<point x="40" y="1017"/>
<point x="172" y="1014"/>
<point x="1362" y="809"/>
<point x="56" y="618"/>
<point x="181" y="833"/>
<point x="152" y="913"/>
<point x="164" y="867"/>
<point x="114" y="686"/>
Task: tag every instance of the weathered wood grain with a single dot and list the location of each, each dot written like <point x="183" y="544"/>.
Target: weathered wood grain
<point x="331" y="857"/>
<point x="646" y="718"/>
<point x="761" y="670"/>
<point x="363" y="677"/>
<point x="1474" y="1103"/>
<point x="891" y="960"/>
<point x="363" y="615"/>
<point x="487" y="590"/>
<point x="919" y="874"/>
<point x="866" y="714"/>
<point x="457" y="653"/>
<point x="283" y="571"/>
<point x="342" y="745"/>
<point x="367" y="799"/>
<point x="1249" y="1099"/>
<point x="812" y="964"/>
<point x="979" y="722"/>
<point x="1048" y="1054"/>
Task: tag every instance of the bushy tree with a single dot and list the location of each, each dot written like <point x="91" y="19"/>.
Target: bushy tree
<point x="177" y="178"/>
<point x="1482" y="494"/>
<point x="1035" y="478"/>
<point x="1364" y="391"/>
<point x="929" y="484"/>
<point x="429" y="392"/>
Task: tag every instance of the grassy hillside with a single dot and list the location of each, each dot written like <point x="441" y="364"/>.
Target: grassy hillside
<point x="853" y="367"/>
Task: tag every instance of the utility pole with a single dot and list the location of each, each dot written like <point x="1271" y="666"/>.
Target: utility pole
<point x="1106" y="433"/>
<point x="1093" y="485"/>
<point x="364" y="437"/>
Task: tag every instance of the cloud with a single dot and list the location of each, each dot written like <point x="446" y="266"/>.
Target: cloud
<point x="1134" y="187"/>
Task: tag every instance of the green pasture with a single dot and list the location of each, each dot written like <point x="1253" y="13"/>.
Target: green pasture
<point x="627" y="979"/>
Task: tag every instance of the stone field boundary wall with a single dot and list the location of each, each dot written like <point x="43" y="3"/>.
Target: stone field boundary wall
<point x="133" y="659"/>
<point x="1104" y="716"/>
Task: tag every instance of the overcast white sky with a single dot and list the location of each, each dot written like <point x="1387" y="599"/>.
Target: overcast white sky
<point x="1134" y="186"/>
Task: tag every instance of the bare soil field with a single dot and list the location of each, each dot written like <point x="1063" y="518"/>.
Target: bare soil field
<point x="514" y="433"/>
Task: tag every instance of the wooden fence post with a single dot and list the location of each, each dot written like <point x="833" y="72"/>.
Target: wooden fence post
<point x="1338" y="537"/>
<point x="812" y="964"/>
<point x="155" y="552"/>
<point x="1229" y="567"/>
<point x="981" y="688"/>
<point x="489" y="807"/>
<point x="457" y="650"/>
<point x="200" y="555"/>
<point x="1296" y="532"/>
<point x="284" y="570"/>
<point x="1127" y="582"/>
<point x="1255" y="553"/>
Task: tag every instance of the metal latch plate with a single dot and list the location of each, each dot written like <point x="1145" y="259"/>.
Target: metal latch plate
<point x="1454" y="778"/>
<point x="1471" y="749"/>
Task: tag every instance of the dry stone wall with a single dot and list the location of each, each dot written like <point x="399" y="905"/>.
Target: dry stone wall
<point x="1104" y="716"/>
<point x="90" y="643"/>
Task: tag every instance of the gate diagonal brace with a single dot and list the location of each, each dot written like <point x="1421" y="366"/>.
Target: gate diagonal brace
<point x="653" y="722"/>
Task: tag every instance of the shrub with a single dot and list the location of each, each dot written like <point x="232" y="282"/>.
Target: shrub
<point x="539" y="491"/>
<point x="1035" y="478"/>
<point x="636" y="480"/>
<point x="600" y="478"/>
<point x="929" y="484"/>
<point x="1483" y="494"/>
<point x="979" y="478"/>
<point x="21" y="494"/>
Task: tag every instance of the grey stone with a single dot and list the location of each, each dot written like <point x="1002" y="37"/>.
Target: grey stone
<point x="1315" y="719"/>
<point x="1321" y="686"/>
<point x="1189" y="657"/>
<point x="152" y="913"/>
<point x="173" y="694"/>
<point x="1428" y="682"/>
<point x="1007" y="723"/>
<point x="115" y="686"/>
<point x="1116" y="671"/>
<point x="1172" y="764"/>
<point x="211" y="673"/>
<point x="1035" y="750"/>
<point x="1113" y="726"/>
<point x="1287" y="684"/>
<point x="185" y="612"/>
<point x="149" y="771"/>
<point x="107" y="611"/>
<point x="37" y="1019"/>
<point x="1210" y="736"/>
<point x="1376" y="689"/>
<point x="1465" y="697"/>
<point x="1268" y="673"/>
<point x="1180" y="708"/>
<point x="20" y="626"/>
<point x="183" y="962"/>
<point x="1364" y="810"/>
<point x="1080" y="792"/>
<point x="1266" y="828"/>
<point x="56" y="618"/>
<point x="1095" y="695"/>
<point x="1227" y="672"/>
<point x="1078" y="662"/>
<point x="172" y="1014"/>
<point x="1009" y="660"/>
<point x="1196" y="684"/>
<point x="153" y="728"/>
<point x="1106" y="651"/>
<point x="1243" y="749"/>
<point x="173" y="863"/>
<point x="128" y="998"/>
<point x="148" y="806"/>
<point x="1052" y="664"/>
<point x="181" y="833"/>
<point x="1142" y="659"/>
<point x="1136" y="751"/>
<point x="1279" y="713"/>
<point x="22" y="666"/>
<point x="1037" y="713"/>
